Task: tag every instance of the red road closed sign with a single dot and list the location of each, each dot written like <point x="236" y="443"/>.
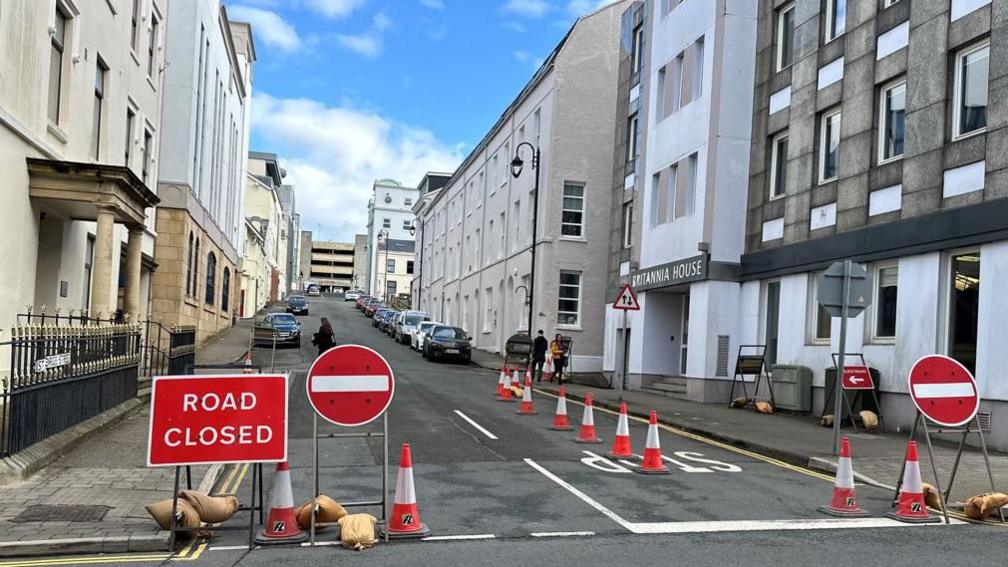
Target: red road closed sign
<point x="218" y="419"/>
<point x="857" y="378"/>
<point x="944" y="390"/>
<point x="350" y="385"/>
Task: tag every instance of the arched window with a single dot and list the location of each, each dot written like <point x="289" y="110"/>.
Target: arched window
<point x="211" y="278"/>
<point x="225" y="290"/>
<point x="189" y="265"/>
<point x="195" y="272"/>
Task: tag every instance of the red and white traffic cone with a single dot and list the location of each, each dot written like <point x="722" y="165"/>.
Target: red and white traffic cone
<point x="515" y="380"/>
<point x="621" y="447"/>
<point x="587" y="432"/>
<point x="844" y="501"/>
<point x="248" y="363"/>
<point x="525" y="407"/>
<point x="560" y="421"/>
<point x="500" y="381"/>
<point x="910" y="507"/>
<point x="548" y="367"/>
<point x="281" y="525"/>
<point x="405" y="520"/>
<point x="505" y="395"/>
<point x="652" y="450"/>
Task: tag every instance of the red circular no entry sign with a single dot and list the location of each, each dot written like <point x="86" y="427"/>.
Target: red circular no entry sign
<point x="350" y="385"/>
<point x="944" y="390"/>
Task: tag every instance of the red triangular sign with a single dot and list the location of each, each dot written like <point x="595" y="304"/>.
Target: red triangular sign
<point x="627" y="299"/>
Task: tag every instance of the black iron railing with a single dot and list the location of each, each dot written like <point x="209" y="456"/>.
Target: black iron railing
<point x="167" y="350"/>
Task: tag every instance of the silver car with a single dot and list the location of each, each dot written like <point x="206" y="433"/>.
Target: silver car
<point x="406" y="324"/>
<point x="417" y="338"/>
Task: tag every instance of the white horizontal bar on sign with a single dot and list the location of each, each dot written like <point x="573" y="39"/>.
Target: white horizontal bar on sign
<point x="947" y="390"/>
<point x="373" y="383"/>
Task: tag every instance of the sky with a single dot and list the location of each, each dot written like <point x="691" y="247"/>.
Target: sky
<point x="349" y="91"/>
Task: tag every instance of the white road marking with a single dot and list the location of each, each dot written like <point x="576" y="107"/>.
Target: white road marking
<point x="587" y="499"/>
<point x="363" y="383"/>
<point x="228" y="548"/>
<point x="481" y="429"/>
<point x="946" y="390"/>
<point x="456" y="537"/>
<point x="561" y="534"/>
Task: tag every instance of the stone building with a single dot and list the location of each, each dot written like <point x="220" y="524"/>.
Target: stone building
<point x="263" y="260"/>
<point x="330" y="264"/>
<point x="390" y="217"/>
<point x="360" y="261"/>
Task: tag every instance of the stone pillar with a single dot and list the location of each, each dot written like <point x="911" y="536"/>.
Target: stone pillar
<point x="131" y="295"/>
<point x="101" y="267"/>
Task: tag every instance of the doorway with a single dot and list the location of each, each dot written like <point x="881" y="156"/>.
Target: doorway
<point x="772" y="321"/>
<point x="684" y="333"/>
<point x="964" y="305"/>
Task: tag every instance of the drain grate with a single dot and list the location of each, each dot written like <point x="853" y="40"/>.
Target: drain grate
<point x="61" y="513"/>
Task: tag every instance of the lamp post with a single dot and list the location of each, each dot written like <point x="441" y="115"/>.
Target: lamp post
<point x="383" y="234"/>
<point x="516" y="169"/>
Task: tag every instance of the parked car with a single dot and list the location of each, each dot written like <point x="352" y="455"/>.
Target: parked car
<point x="420" y="333"/>
<point x="379" y="317"/>
<point x="314" y="290"/>
<point x="388" y="322"/>
<point x="283" y="326"/>
<point x="371" y="306"/>
<point x="360" y="300"/>
<point x="351" y="295"/>
<point x="297" y="304"/>
<point x="444" y="341"/>
<point x="406" y="324"/>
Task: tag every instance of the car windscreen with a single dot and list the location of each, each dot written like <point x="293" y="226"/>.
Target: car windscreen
<point x="413" y="320"/>
<point x="450" y="333"/>
<point x="426" y="325"/>
<point x="297" y="299"/>
<point x="284" y="318"/>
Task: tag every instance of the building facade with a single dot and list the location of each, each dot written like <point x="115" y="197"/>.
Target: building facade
<point x="207" y="91"/>
<point x="331" y="264"/>
<point x="359" y="261"/>
<point x="477" y="230"/>
<point x="80" y="127"/>
<point x="293" y="270"/>
<point x="877" y="137"/>
<point x="390" y="217"/>
<point x="262" y="269"/>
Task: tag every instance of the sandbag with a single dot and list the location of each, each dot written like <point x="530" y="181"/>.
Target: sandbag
<point x="869" y="419"/>
<point x="357" y="531"/>
<point x="329" y="511"/>
<point x="740" y="402"/>
<point x="211" y="509"/>
<point x="826" y="421"/>
<point x="931" y="497"/>
<point x="764" y="407"/>
<point x="983" y="505"/>
<point x="161" y="512"/>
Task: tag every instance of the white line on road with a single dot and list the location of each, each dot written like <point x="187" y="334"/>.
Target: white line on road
<point x="456" y="537"/>
<point x="481" y="429"/>
<point x="227" y="547"/>
<point x="587" y="499"/>
<point x="561" y="534"/>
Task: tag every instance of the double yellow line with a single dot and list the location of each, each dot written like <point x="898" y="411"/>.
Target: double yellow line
<point x="191" y="552"/>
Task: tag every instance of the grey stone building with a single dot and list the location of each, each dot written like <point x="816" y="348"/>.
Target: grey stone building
<point x="879" y="135"/>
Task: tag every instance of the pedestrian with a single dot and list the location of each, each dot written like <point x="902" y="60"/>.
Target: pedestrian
<point x="539" y="346"/>
<point x="324" y="338"/>
<point x="559" y="357"/>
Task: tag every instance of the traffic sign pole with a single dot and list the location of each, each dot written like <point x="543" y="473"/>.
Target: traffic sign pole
<point x="838" y="382"/>
<point x="626" y="300"/>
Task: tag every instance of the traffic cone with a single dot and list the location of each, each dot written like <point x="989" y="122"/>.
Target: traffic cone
<point x="621" y="444"/>
<point x="844" y="501"/>
<point x="652" y="450"/>
<point x="281" y="525"/>
<point x="587" y="432"/>
<point x="525" y="408"/>
<point x="505" y="395"/>
<point x="248" y="363"/>
<point x="910" y="507"/>
<point x="515" y="381"/>
<point x="548" y="367"/>
<point x="405" y="520"/>
<point x="560" y="421"/>
<point x="500" y="382"/>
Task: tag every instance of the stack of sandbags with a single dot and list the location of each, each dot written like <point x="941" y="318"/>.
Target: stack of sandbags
<point x="869" y="419"/>
<point x="329" y="512"/>
<point x="764" y="407"/>
<point x="826" y="421"/>
<point x="931" y="497"/>
<point x="739" y="402"/>
<point x="357" y="531"/>
<point x="161" y="512"/>
<point x="211" y="509"/>
<point x="983" y="505"/>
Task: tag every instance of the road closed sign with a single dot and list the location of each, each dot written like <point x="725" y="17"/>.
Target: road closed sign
<point x="944" y="390"/>
<point x="218" y="419"/>
<point x="350" y="385"/>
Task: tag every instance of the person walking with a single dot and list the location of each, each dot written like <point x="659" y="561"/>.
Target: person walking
<point x="539" y="346"/>
<point x="559" y="357"/>
<point x="324" y="339"/>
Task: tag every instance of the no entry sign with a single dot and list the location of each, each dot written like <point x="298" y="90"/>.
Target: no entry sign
<point x="218" y="419"/>
<point x="943" y="390"/>
<point x="857" y="378"/>
<point x="350" y="385"/>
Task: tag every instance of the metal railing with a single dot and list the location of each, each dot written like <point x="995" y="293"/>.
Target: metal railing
<point x="167" y="350"/>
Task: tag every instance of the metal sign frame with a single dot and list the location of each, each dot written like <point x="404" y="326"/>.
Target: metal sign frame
<point x="849" y="401"/>
<point x="742" y="369"/>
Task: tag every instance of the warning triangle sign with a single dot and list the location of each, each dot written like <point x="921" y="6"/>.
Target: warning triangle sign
<point x="626" y="300"/>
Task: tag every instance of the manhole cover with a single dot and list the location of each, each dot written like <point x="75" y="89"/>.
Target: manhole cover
<point x="61" y="513"/>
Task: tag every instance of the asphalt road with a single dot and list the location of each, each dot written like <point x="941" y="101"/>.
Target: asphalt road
<point x="497" y="487"/>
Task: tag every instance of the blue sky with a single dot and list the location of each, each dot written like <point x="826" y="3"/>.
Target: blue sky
<point x="347" y="91"/>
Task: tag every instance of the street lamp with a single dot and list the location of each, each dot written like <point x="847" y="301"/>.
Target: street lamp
<point x="516" y="169"/>
<point x="383" y="233"/>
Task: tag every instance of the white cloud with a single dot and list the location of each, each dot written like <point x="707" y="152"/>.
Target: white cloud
<point x="527" y="8"/>
<point x="514" y="26"/>
<point x="269" y="27"/>
<point x="334" y="8"/>
<point x="333" y="155"/>
<point x="522" y="56"/>
<point x="433" y="4"/>
<point x="369" y="43"/>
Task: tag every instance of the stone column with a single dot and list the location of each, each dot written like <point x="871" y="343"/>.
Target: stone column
<point x="101" y="264"/>
<point x="131" y="295"/>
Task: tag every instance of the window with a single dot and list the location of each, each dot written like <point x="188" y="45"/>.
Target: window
<point x="964" y="308"/>
<point x="638" y="45"/>
<point x="822" y="321"/>
<point x="503" y="237"/>
<point x="152" y="48"/>
<point x="690" y="183"/>
<point x="135" y="26"/>
<point x="408" y="202"/>
<point x="99" y="96"/>
<point x="488" y="310"/>
<point x="406" y="225"/>
<point x="573" y="210"/>
<point x="390" y="265"/>
<point x="88" y="262"/>
<point x="211" y="278"/>
<point x="836" y="18"/>
<point x="633" y="138"/>
<point x="386" y="223"/>
<point x="505" y="166"/>
<point x="569" y="302"/>
<point x="660" y="102"/>
<point x="785" y="36"/>
<point x="971" y="90"/>
<point x="778" y="165"/>
<point x="144" y="167"/>
<point x="516" y="221"/>
<point x="885" y="302"/>
<point x="409" y="266"/>
<point x="889" y="3"/>
<point x="56" y="65"/>
<point x="225" y="290"/>
<point x="656" y="202"/>
<point x="829" y="145"/>
<point x="130" y="116"/>
<point x="627" y="224"/>
<point x="195" y="270"/>
<point x="696" y="72"/>
<point x="390" y="288"/>
<point x="189" y="267"/>
<point x="891" y="116"/>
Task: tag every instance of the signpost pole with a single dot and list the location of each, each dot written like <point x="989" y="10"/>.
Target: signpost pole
<point x="623" y="357"/>
<point x="838" y="382"/>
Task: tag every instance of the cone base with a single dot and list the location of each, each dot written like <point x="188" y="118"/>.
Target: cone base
<point x="529" y="412"/>
<point x="499" y="399"/>
<point x="262" y="539"/>
<point x="422" y="532"/>
<point x="843" y="513"/>
<point x="615" y="455"/>
<point x="592" y="441"/>
<point x="929" y="519"/>
<point x="561" y="428"/>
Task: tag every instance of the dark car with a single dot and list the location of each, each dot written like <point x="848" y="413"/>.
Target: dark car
<point x="281" y="326"/>
<point x="379" y="314"/>
<point x="387" y="321"/>
<point x="445" y="341"/>
<point x="297" y="304"/>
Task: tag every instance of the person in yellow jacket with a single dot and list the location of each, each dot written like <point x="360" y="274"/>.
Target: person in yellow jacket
<point x="559" y="353"/>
